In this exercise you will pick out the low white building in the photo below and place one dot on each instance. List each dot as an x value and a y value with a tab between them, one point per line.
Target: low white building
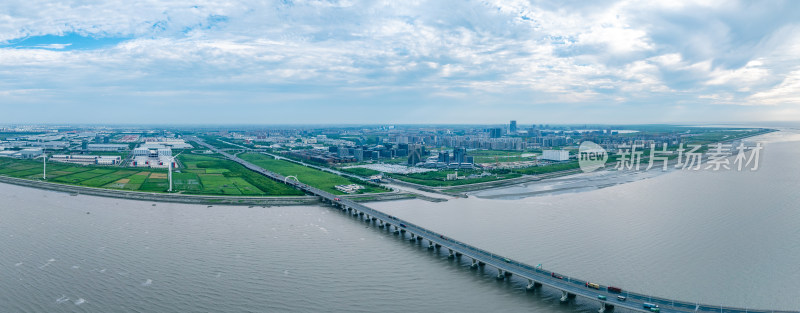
30	153
555	155
349	188
87	159
172	143
152	155
106	147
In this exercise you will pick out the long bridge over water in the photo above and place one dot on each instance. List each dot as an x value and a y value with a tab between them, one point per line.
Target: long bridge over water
570	287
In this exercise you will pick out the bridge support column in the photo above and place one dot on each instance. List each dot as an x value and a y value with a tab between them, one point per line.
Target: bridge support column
500	274
450	256
419	238
403	231
438	246
564	296
533	284
412	237
430	245
458	254
481	264
474	264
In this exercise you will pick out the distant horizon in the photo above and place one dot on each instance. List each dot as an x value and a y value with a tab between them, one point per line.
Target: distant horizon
521	125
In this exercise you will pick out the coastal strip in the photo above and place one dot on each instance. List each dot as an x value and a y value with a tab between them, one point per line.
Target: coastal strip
193	199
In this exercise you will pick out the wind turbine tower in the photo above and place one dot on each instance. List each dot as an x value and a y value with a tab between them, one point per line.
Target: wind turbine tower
44	165
169	172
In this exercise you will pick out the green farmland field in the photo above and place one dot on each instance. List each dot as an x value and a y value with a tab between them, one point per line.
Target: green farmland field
200	175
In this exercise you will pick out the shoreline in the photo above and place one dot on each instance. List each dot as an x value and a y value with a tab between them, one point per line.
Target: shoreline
194	199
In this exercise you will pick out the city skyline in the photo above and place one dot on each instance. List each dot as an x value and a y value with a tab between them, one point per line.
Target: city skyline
338	62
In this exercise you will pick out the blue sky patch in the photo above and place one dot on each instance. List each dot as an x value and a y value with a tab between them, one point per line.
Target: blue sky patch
71	41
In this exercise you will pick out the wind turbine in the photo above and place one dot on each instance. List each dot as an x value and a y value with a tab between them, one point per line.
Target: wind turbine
169	173
44	164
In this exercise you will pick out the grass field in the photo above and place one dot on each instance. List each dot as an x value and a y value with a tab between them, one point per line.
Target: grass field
314	177
438	178
364	172
220	176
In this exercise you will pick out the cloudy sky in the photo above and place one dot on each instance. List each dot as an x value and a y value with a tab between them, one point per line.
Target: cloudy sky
352	61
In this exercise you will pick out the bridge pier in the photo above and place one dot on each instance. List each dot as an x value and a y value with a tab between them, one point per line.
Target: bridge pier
419	238
474	264
438	246
412	237
500	274
604	306
564	296
450	256
481	264
430	245
533	285
458	254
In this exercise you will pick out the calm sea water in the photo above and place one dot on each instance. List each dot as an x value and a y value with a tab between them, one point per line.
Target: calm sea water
731	238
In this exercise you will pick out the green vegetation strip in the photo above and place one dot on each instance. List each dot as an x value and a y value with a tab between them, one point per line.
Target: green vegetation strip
314	177
439	178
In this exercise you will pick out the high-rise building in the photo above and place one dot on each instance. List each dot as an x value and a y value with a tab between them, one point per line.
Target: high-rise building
513	127
495	132
358	154
414	154
444	157
460	155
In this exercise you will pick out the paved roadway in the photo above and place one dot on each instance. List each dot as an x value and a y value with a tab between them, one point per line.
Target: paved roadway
563	282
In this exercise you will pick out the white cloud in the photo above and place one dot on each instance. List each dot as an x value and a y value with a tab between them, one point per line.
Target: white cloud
501	51
751	73
787	92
